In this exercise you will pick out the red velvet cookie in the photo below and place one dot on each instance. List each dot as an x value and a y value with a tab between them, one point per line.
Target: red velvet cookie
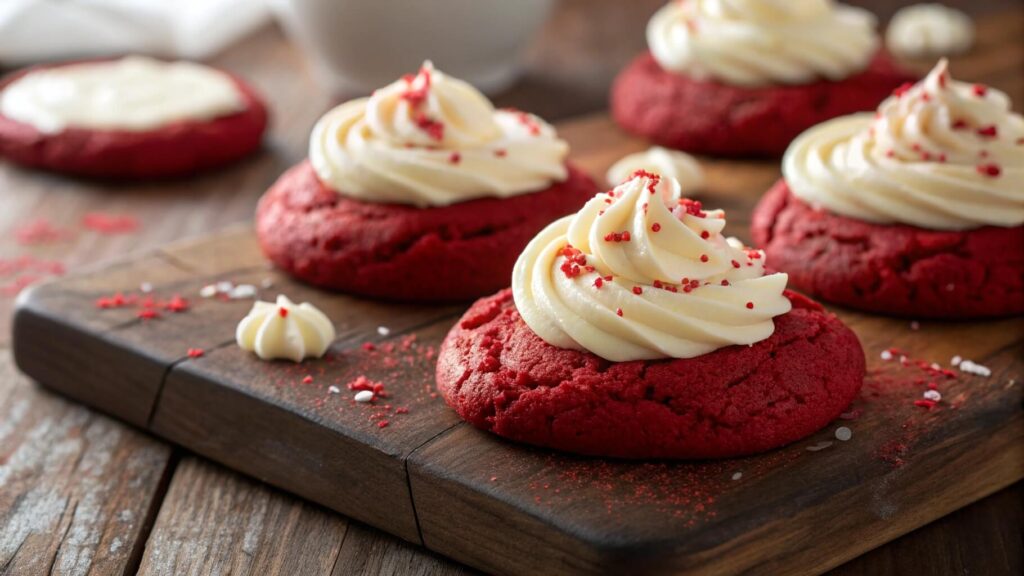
892	269
174	149
500	376
400	252
704	116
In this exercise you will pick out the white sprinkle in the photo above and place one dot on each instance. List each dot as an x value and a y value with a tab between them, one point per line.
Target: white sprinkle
819	446
364	396
225	286
956	361
383	330
903	360
843	433
950	287
242	291
145	287
915	325
932	395
973	368
267	282
334	390
935	366
208	291
886	355
737	476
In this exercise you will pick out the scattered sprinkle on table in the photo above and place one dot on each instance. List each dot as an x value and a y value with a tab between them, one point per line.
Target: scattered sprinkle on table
933	395
737	475
363	396
843	433
970	367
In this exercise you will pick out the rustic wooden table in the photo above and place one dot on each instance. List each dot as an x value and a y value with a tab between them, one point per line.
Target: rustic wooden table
81	493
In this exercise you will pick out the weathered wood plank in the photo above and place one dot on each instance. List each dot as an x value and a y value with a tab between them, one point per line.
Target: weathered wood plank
216	522
77	490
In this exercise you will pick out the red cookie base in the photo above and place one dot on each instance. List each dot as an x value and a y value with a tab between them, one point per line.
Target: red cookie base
174	149
892	269
400	252
704	116
501	377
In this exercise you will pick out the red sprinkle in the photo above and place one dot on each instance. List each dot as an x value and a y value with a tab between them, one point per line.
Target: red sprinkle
176	304
979	90
988	131
735	264
902	89
382	424
148	314
725	282
655	227
283	312
307	380
455	158
618	311
703	257
369	346
638	290
196	352
705	234
598	282
750	305
990	170
501	153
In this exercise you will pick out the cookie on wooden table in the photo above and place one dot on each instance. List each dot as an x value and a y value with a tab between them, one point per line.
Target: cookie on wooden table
635	329
916	211
422	192
128	118
748	80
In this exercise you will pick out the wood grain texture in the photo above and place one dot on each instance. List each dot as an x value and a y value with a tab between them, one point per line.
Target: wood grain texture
216	522
77	490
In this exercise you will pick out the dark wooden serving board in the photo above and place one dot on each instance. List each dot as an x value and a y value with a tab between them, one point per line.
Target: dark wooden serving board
505	508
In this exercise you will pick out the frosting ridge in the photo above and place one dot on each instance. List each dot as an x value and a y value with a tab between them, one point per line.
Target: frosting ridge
642	273
762	42
940	154
433	140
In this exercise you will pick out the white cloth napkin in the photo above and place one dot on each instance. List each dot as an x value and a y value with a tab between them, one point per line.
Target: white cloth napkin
41	30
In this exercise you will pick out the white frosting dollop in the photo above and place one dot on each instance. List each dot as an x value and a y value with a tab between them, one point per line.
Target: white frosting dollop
941	154
673	164
642	273
929	30
133	93
762	42
285	330
433	140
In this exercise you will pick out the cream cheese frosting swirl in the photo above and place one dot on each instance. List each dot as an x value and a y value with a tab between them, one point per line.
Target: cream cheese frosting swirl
641	273
285	330
133	94
941	154
433	140
762	42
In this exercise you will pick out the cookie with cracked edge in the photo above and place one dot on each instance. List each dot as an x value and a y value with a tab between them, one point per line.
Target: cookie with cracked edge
707	117
897	269
401	252
174	149
501	377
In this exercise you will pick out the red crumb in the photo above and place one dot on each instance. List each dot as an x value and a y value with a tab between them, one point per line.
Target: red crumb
40	231
109	224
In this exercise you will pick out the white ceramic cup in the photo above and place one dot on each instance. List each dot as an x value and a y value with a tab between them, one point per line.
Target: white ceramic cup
356	46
